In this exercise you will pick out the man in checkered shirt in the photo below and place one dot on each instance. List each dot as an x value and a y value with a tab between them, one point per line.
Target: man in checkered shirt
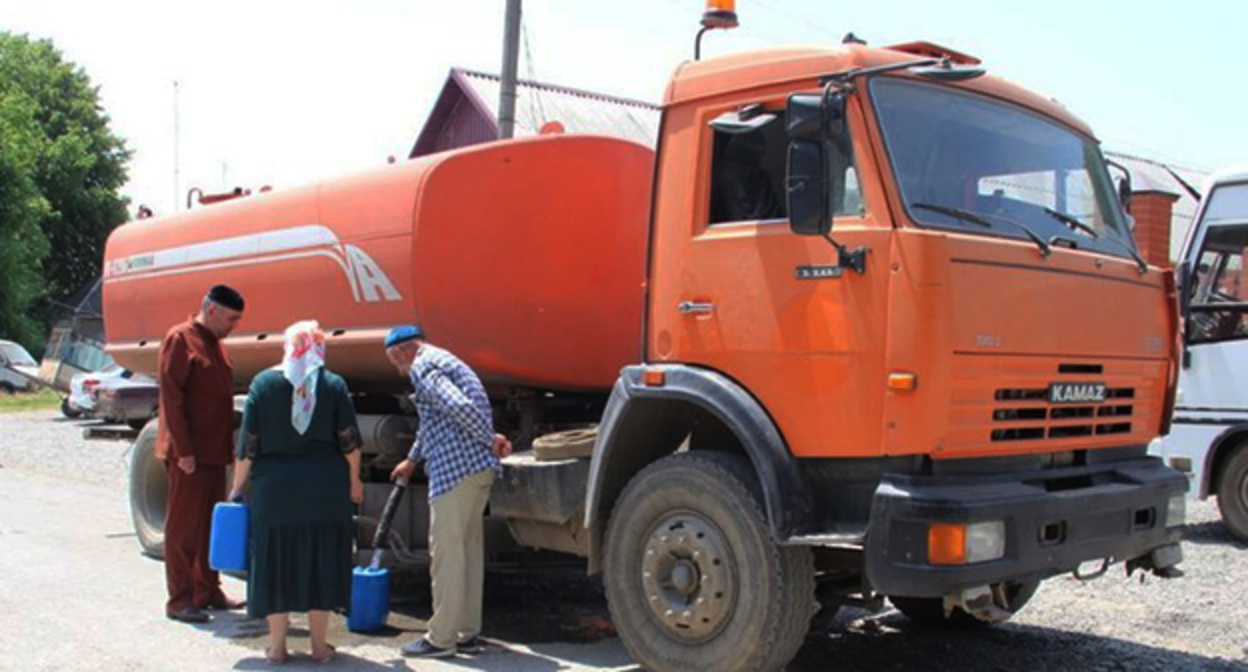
461	453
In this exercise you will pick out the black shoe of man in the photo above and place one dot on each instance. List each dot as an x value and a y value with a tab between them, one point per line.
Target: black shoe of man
470	647
189	615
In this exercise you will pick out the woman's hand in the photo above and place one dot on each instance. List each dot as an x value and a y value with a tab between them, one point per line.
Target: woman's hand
236	496
357	491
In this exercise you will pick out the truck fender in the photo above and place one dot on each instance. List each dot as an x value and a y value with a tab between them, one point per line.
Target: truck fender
643	423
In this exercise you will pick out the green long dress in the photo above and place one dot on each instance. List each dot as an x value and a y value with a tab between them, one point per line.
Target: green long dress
300	497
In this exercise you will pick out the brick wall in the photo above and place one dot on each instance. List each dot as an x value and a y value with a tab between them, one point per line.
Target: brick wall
1153	211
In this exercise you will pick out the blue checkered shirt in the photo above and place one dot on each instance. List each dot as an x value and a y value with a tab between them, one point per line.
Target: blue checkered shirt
456	434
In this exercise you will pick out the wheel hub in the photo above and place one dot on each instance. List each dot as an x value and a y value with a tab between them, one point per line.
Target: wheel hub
688	576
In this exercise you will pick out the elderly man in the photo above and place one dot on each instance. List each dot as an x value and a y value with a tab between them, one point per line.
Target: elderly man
196	441
461	452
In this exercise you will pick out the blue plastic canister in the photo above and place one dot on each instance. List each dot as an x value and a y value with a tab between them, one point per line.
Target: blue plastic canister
228	546
370	599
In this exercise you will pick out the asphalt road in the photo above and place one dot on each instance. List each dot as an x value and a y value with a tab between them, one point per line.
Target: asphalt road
75	594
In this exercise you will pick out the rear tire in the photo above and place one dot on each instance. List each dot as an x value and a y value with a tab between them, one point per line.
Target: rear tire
7	389
693	579
930	611
1233	493
149	492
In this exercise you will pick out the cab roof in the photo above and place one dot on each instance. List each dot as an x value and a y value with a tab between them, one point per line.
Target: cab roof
798	66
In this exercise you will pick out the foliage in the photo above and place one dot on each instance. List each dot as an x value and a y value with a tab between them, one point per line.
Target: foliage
55	136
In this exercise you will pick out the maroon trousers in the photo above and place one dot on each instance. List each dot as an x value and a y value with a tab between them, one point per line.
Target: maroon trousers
188	527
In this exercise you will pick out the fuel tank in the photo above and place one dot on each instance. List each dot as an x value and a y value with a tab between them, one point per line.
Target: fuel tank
526	258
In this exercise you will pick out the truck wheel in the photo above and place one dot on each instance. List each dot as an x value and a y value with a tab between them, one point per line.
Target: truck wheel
930	611
68	410
7	389
1233	493
693	579
149	492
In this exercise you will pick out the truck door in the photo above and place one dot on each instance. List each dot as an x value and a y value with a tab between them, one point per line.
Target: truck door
736	291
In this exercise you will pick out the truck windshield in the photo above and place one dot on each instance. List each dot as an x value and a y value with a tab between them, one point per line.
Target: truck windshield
1021	175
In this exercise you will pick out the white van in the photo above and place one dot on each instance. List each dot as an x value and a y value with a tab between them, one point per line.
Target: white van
17	369
1209	435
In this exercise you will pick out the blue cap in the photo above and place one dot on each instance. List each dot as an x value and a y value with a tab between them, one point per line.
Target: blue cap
403	334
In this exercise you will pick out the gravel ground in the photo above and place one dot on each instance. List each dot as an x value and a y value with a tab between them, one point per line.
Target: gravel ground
1198	622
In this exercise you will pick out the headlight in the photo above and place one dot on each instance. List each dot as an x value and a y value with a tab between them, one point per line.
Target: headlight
1176	511
965	543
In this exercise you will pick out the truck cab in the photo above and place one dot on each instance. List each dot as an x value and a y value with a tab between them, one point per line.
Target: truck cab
897	298
1209	435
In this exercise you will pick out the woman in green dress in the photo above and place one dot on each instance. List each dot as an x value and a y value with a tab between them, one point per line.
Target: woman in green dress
300	446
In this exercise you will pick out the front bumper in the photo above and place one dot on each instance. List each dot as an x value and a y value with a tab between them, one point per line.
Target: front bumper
1054	520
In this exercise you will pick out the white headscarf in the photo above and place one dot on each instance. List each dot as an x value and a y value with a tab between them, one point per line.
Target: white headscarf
305	353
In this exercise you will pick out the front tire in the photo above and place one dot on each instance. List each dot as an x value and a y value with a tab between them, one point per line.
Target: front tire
693	579
149	492
1233	493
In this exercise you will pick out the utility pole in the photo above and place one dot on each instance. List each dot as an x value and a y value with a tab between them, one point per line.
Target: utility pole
511	53
177	188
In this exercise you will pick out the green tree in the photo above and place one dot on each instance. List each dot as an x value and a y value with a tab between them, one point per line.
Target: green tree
75	162
22	243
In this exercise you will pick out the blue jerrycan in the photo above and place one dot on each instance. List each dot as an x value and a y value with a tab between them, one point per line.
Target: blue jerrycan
228	545
370	586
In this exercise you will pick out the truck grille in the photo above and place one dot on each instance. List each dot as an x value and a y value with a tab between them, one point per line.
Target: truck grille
1032	417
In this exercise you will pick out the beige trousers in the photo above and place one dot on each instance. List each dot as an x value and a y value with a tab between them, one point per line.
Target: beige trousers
457	544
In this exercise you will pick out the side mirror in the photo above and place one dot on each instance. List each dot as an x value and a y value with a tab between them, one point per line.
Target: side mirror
815	116
815	183
806	188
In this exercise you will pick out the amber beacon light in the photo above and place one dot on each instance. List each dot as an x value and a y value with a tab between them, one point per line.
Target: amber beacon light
720	14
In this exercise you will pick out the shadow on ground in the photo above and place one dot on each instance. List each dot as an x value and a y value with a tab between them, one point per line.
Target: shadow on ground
891	642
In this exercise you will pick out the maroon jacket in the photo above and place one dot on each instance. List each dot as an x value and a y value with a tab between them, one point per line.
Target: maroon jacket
196	397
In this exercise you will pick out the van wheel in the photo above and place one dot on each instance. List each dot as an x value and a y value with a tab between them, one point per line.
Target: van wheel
68	410
7	389
930	611
1233	493
693	579
149	492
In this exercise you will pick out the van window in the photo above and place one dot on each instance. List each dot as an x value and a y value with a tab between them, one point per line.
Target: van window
1220	290
748	171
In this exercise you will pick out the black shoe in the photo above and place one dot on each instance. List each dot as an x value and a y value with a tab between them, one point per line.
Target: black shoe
421	648
188	615
470	647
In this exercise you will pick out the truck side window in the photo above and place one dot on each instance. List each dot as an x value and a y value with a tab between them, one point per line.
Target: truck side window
747	176
1220	291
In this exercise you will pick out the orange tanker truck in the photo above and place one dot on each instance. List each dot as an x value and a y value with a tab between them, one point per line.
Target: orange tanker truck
869	324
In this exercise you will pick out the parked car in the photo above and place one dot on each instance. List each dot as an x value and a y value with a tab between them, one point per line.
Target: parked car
18	370
126	399
81	400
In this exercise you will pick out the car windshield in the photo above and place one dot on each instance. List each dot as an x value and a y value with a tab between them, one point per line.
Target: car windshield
16	354
1017	173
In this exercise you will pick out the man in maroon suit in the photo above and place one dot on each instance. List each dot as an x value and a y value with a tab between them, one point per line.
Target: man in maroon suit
196	442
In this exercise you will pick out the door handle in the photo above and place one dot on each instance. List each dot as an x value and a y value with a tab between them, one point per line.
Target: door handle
692	308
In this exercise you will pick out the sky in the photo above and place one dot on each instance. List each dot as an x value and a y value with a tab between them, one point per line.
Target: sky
271	92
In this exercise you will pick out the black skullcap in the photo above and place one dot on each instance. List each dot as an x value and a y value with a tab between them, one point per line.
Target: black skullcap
227	297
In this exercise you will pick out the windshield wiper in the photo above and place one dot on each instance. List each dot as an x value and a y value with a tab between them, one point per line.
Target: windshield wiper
982	220
1075	223
1070	221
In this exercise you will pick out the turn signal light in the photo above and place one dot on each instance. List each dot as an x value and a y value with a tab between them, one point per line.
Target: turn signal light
653	377
902	381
